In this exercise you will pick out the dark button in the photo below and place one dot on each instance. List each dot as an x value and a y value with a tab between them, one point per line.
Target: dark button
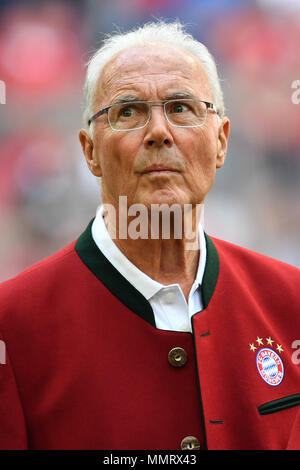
177	357
190	443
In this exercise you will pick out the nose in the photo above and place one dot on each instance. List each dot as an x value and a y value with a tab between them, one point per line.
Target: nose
158	131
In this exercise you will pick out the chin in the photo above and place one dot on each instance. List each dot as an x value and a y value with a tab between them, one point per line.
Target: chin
164	197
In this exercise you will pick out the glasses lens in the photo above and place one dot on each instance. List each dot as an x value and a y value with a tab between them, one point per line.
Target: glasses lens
186	112
127	116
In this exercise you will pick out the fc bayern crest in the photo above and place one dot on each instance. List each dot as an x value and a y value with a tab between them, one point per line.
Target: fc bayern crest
270	366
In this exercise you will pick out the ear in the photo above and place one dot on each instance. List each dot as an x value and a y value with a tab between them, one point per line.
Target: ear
224	130
88	149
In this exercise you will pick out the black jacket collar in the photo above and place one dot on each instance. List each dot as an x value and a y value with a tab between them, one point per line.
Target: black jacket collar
94	259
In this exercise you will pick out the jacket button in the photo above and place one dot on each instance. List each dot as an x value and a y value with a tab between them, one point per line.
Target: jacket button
177	357
190	443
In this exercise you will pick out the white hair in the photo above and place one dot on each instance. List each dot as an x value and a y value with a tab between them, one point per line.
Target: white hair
158	31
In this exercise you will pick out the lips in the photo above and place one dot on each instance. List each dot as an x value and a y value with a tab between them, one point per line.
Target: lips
158	168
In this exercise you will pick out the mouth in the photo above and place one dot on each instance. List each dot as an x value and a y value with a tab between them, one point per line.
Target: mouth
158	169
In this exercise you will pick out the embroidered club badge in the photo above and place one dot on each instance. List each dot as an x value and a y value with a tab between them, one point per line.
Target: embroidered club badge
270	366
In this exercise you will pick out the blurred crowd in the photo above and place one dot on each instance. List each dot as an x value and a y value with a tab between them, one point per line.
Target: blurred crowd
48	196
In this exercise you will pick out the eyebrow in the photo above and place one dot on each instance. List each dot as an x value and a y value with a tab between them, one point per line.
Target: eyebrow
172	96
180	94
126	99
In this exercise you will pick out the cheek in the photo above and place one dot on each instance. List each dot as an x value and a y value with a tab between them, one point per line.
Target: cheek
202	153
116	156
126	148
109	145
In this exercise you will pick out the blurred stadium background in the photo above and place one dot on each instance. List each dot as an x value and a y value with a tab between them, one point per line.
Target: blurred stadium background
47	195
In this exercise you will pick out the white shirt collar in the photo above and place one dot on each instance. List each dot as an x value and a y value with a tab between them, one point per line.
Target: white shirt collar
143	283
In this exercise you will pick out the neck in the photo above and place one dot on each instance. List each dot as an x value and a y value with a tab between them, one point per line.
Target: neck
163	246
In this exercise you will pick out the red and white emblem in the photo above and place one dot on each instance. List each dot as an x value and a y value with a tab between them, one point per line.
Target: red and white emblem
270	366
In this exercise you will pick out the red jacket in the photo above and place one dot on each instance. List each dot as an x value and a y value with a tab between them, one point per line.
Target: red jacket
85	367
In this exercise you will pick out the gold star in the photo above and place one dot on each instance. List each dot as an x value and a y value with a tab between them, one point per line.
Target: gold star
279	348
252	347
269	341
259	340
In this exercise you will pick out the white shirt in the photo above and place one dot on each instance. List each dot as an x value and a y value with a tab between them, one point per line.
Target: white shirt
171	311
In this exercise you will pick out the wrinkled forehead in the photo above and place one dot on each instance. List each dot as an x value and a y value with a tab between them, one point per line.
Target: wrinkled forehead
155	63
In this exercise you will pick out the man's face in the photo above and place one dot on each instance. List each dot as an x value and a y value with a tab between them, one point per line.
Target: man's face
188	156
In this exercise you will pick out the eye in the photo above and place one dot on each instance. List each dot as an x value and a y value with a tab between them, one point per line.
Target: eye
127	111
179	107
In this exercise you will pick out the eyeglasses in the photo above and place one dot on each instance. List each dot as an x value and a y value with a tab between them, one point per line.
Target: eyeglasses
132	115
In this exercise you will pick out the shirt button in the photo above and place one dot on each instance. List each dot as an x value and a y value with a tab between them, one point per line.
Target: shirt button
190	443
177	357
169	297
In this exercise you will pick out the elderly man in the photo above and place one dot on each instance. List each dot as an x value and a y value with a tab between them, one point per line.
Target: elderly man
135	339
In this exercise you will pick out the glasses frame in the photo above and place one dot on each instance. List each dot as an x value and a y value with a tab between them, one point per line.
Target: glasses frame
152	103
